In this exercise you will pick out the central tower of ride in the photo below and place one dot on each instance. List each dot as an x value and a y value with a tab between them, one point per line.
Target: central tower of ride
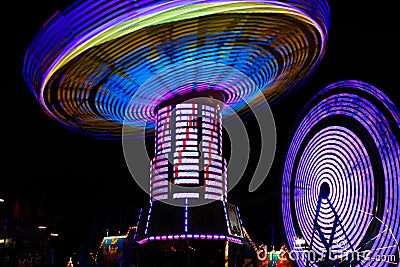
188	169
188	151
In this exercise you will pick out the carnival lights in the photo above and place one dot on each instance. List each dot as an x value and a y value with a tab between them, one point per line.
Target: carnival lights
100	65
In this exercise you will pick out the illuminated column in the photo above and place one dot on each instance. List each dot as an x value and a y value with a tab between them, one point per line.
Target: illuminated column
188	153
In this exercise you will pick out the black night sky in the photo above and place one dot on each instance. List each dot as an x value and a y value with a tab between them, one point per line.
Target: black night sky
67	180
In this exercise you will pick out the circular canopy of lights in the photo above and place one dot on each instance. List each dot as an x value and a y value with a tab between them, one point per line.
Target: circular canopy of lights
88	64
341	178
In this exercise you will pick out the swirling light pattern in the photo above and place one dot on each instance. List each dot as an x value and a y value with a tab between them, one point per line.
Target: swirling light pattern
342	176
87	63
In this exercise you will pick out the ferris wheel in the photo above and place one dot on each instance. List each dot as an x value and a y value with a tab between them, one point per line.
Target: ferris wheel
341	179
